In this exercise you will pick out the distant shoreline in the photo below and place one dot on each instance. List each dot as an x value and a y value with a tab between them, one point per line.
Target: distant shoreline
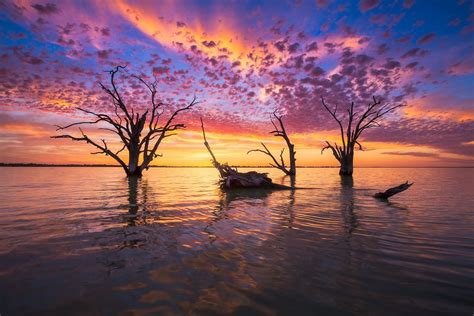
117	166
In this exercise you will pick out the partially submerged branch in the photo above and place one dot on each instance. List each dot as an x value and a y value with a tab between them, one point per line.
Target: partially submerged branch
224	169
392	191
232	179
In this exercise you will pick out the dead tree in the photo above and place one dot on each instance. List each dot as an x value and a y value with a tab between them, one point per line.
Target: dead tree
280	132
231	178
129	127
392	191
350	134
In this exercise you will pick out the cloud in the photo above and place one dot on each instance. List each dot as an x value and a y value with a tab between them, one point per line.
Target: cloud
104	54
46	9
407	4
454	22
322	3
367	5
414	52
462	67
411	153
426	38
446	135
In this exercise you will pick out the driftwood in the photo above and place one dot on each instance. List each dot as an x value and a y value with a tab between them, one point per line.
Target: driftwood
231	178
392	191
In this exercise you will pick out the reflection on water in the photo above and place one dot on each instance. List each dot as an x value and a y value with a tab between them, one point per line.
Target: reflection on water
89	241
347	204
133	201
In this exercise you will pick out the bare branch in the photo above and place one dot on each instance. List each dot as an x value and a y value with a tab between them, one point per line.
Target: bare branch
335	151
280	131
103	149
167	127
278	165
78	123
334	115
121	149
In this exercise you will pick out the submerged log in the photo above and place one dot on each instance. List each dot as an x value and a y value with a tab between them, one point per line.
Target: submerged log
392	191
231	178
251	179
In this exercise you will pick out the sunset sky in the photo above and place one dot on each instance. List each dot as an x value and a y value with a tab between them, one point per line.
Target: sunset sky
243	60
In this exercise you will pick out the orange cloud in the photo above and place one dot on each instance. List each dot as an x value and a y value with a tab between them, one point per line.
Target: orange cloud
168	29
440	107
23	130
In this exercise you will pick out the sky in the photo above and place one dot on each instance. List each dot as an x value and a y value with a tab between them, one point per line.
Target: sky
243	60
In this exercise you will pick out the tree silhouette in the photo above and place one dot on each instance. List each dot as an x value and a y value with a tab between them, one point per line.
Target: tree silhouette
356	125
280	132
129	126
231	178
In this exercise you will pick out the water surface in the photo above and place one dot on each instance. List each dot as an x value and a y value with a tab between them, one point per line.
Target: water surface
88	241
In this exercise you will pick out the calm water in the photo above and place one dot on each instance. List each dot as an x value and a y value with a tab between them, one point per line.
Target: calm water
87	241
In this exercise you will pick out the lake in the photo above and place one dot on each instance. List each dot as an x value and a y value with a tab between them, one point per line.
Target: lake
77	241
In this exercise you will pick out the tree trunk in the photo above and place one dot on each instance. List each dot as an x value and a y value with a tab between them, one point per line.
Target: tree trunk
347	166
292	170
133	158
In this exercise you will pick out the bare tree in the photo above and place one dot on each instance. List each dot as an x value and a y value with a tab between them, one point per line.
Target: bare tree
356	125
231	178
129	126
280	132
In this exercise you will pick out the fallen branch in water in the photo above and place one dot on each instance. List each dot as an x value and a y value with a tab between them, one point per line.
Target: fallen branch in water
392	191
232	179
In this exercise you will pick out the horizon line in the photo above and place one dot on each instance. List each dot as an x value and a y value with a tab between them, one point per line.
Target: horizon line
33	164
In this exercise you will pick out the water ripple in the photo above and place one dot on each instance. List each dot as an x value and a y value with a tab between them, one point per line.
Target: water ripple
161	245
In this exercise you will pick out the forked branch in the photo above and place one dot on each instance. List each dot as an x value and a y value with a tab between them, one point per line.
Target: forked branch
280	131
103	149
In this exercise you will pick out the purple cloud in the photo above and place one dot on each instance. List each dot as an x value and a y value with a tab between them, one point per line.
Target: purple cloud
367	5
46	9
426	38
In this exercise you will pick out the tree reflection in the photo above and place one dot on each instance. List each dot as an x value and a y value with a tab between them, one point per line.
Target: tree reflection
291	198
347	204
137	188
132	196
226	198
244	194
137	212
292	180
